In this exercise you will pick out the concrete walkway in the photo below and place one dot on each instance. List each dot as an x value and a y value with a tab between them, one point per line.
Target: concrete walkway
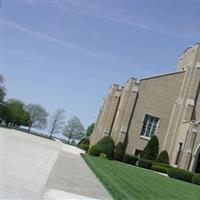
37	168
71	176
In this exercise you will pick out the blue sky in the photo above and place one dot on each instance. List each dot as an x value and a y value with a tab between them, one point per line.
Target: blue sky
66	54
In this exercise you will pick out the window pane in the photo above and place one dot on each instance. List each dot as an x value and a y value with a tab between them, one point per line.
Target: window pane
149	125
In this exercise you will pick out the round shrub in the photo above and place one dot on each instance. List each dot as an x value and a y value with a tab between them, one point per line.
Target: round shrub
119	151
180	174
130	159
95	150
84	144
163	157
196	179
144	163
151	150
160	167
105	145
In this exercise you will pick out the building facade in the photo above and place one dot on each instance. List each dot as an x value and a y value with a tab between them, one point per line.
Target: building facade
167	106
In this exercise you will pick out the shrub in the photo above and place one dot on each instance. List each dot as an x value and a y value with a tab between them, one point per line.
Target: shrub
130	159
102	155
81	141
196	179
144	163
180	174
105	145
85	147
151	150
163	157
95	150
160	167
84	144
119	151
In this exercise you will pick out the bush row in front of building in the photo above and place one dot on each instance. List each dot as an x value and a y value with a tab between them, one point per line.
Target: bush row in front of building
184	175
148	159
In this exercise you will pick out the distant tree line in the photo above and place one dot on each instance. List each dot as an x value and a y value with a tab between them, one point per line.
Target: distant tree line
15	113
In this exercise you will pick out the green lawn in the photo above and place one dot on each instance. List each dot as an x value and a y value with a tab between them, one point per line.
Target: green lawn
129	182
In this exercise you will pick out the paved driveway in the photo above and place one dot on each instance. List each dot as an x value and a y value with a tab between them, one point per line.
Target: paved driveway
27	161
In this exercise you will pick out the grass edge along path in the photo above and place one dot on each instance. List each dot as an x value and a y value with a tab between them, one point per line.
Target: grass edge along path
129	182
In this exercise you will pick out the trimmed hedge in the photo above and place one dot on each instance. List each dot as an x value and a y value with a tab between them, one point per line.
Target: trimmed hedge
95	150
160	167
151	150
105	145
163	157
84	144
84	147
130	159
119	151
180	174
144	163
196	179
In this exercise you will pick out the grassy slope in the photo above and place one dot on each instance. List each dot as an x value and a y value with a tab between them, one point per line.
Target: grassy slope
129	182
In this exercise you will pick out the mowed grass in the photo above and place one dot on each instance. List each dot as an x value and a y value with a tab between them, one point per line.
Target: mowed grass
129	182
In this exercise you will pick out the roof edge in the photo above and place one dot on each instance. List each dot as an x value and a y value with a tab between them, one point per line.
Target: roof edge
167	74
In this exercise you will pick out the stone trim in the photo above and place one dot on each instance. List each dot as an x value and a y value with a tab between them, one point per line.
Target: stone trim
106	131
144	138
179	100
161	75
190	102
198	65
135	88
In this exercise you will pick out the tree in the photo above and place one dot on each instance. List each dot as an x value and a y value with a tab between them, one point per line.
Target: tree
38	116
2	89
13	113
163	157
74	129
151	150
90	129
119	151
57	122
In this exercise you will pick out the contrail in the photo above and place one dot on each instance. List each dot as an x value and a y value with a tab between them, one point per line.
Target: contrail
51	39
66	10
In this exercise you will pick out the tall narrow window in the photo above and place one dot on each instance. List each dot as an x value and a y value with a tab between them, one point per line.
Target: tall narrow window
149	126
179	153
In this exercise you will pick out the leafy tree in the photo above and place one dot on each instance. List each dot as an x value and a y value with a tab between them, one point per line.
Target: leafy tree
90	129
151	150
74	129
163	157
38	116
57	122
2	89
14	113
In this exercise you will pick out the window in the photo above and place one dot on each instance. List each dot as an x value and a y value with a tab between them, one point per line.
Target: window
179	153
149	126
138	152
